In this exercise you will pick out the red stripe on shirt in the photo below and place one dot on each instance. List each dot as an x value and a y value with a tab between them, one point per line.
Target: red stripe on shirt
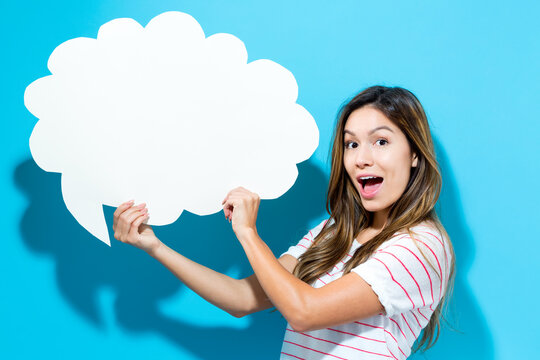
438	264
373	326
409	326
427	273
397	343
440	241
392	276
398	348
320	352
338	344
416	320
424	316
348	333
416	282
294	356
444	248
386	331
395	239
399	327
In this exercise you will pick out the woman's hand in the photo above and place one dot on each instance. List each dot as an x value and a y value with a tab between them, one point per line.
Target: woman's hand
129	228
241	206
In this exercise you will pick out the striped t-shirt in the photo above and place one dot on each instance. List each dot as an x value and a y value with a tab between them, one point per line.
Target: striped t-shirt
407	286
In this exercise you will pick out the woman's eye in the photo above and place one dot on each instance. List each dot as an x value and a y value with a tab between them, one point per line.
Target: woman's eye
350	144
381	142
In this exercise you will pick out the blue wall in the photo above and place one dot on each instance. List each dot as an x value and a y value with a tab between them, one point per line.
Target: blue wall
474	66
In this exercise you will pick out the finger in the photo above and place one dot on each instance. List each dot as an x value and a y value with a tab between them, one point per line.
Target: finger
133	215
227	197
236	200
230	203
127	217
228	208
123	207
126	228
243	190
130	211
233	192
134	229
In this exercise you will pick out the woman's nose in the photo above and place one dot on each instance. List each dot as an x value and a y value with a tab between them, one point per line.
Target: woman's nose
364	156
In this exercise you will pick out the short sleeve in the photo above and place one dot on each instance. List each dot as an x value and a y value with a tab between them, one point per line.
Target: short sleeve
305	242
407	274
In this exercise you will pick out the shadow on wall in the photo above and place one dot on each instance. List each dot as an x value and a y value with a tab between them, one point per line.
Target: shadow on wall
471	338
85	265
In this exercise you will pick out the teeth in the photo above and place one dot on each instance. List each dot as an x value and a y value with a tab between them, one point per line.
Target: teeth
368	177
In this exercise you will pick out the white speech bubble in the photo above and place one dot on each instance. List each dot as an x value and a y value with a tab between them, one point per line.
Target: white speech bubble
163	115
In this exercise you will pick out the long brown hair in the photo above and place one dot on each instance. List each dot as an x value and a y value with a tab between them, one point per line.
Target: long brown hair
347	215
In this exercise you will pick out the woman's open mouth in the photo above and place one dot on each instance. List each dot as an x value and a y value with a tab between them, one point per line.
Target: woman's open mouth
369	185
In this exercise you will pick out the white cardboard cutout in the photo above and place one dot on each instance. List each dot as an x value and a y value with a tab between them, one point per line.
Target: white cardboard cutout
163	115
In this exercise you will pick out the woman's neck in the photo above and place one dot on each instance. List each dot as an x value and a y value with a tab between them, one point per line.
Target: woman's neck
379	219
376	225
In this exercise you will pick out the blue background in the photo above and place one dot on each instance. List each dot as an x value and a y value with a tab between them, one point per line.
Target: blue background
475	68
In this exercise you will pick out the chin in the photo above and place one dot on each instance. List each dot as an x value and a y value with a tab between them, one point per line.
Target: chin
376	205
371	207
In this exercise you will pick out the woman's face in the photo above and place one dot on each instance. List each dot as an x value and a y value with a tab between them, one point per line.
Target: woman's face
377	158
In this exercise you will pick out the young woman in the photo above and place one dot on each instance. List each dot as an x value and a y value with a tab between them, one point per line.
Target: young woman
366	281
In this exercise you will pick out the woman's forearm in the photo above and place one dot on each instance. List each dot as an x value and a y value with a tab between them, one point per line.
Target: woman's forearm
237	297
288	294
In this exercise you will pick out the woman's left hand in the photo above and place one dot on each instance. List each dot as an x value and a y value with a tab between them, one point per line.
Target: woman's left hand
241	206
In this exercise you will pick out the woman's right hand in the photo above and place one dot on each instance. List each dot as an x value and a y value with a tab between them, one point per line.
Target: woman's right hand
129	228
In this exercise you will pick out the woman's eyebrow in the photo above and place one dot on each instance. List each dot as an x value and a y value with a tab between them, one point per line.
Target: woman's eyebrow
380	128
371	132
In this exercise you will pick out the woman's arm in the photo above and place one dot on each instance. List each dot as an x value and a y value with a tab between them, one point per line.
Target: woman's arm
237	297
305	308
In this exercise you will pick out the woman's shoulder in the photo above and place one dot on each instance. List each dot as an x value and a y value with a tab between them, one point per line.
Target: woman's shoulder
425	233
430	231
425	238
424	228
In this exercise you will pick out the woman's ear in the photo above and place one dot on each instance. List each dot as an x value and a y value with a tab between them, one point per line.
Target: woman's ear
414	160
